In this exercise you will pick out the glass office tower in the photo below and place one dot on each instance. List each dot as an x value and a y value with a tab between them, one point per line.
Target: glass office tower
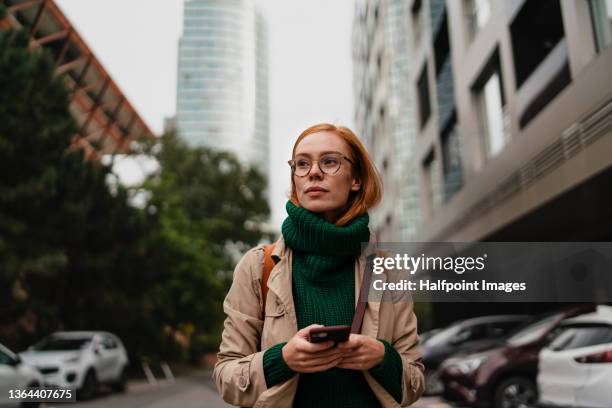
222	86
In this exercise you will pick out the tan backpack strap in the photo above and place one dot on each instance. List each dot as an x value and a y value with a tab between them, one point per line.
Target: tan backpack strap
364	292
363	297
268	264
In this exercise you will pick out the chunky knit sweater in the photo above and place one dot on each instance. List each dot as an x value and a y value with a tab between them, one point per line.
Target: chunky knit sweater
324	293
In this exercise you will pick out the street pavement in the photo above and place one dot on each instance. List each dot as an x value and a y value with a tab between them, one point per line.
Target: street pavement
195	390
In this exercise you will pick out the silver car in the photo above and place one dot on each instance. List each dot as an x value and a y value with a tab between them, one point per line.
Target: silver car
15	375
80	360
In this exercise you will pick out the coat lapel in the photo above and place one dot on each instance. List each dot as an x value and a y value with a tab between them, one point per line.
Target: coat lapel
280	280
371	317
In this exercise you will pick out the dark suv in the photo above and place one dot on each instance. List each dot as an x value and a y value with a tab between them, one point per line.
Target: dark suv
465	336
504	376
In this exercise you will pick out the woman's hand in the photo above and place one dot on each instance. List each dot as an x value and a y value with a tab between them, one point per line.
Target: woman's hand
361	352
303	356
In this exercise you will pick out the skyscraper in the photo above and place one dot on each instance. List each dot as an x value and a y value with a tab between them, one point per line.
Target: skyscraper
222	87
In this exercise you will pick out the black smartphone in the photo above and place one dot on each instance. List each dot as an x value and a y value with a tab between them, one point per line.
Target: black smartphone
335	333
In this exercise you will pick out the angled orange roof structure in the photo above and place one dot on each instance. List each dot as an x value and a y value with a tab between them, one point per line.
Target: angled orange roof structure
107	121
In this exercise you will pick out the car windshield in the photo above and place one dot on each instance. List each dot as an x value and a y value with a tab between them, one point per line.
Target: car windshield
532	331
443	336
573	337
62	344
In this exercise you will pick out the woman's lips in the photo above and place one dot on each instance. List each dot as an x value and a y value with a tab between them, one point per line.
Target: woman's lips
315	192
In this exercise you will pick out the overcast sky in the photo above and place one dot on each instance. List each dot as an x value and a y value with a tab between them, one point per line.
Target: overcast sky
310	67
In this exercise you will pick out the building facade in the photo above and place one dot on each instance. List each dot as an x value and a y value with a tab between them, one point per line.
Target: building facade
222	90
384	111
512	107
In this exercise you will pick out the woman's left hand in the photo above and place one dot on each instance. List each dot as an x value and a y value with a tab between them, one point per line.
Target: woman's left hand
361	352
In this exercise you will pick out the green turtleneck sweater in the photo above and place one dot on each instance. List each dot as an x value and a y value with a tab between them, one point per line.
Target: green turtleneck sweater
324	293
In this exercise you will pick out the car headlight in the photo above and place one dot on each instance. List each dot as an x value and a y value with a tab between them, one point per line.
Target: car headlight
468	365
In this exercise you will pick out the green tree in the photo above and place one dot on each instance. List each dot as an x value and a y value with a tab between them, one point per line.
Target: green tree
75	255
70	250
202	199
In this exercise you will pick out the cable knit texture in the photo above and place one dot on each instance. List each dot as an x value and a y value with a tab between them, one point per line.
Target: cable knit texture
324	293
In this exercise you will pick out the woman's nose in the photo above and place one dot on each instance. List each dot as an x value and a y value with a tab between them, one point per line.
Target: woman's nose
315	170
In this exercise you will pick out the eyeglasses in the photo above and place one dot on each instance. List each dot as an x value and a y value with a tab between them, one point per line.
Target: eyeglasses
328	163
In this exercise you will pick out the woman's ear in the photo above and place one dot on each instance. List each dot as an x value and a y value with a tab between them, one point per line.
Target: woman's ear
356	184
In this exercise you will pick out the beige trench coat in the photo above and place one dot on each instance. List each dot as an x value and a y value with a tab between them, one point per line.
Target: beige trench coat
239	373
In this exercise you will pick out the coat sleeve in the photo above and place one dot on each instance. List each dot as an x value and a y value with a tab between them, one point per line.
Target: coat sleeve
406	342
239	373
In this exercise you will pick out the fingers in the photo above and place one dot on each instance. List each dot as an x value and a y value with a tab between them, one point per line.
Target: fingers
353	341
324	360
322	367
307	347
303	333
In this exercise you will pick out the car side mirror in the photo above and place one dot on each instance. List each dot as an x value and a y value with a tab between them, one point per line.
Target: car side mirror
97	350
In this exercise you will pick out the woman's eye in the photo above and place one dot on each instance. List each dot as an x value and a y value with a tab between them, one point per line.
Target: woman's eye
329	161
302	163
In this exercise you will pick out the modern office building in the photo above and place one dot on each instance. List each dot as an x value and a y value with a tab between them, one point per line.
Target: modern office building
222	91
384	111
512	118
107	121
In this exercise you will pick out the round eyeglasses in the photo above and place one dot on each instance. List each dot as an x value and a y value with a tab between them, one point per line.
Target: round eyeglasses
328	163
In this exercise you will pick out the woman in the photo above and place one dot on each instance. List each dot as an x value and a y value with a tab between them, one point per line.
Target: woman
265	358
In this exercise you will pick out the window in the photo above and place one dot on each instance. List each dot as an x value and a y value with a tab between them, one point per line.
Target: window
535	31
109	343
471	333
5	358
601	13
582	336
431	173
490	98
423	95
478	13
451	161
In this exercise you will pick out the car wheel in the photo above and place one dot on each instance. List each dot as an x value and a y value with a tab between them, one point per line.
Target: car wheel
516	392
31	404
89	387
121	383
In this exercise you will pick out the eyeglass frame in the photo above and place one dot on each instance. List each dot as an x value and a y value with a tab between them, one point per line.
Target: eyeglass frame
341	155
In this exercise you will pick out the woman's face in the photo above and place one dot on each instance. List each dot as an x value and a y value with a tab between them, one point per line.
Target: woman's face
331	198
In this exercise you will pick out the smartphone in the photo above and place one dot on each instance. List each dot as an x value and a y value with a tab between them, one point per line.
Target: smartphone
336	333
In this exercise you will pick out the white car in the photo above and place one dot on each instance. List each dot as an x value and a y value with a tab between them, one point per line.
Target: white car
575	370
80	360
15	375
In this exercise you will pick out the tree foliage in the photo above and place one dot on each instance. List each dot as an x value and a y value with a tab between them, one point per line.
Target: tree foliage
76	255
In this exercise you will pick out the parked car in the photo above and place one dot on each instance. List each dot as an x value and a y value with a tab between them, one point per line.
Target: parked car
575	370
504	376
464	336
80	360
15	374
425	336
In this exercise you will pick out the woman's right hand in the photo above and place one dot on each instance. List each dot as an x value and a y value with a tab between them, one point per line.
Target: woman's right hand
303	356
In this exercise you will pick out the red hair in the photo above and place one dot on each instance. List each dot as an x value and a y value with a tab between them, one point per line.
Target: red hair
370	193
